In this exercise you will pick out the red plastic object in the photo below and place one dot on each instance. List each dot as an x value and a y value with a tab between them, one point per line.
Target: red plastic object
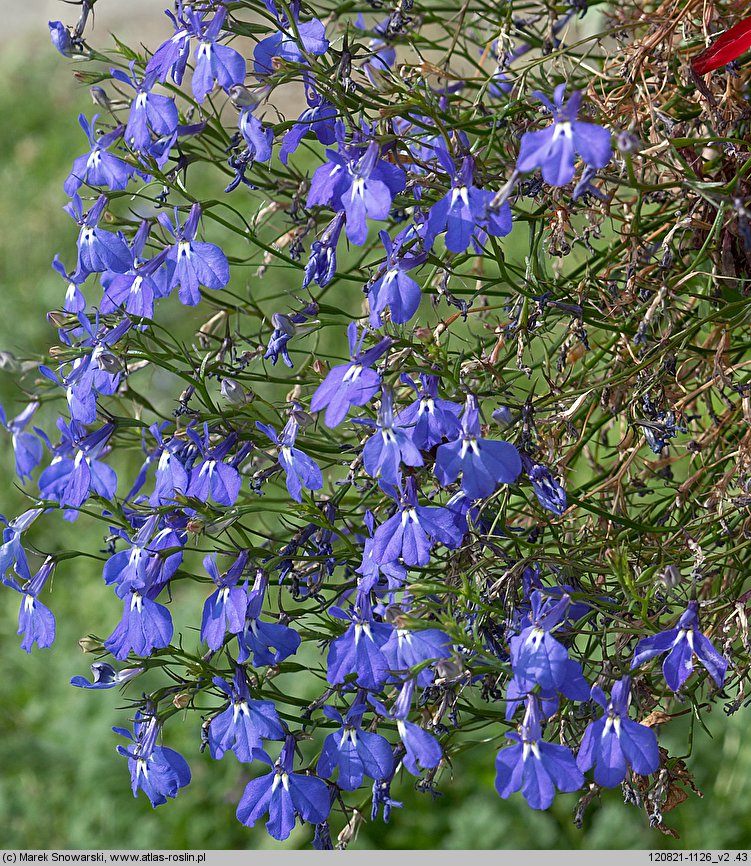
725	49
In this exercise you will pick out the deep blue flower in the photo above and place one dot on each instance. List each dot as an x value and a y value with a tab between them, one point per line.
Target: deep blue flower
27	447
215	63
62	39
270	643
149	112
352	384
538	657
284	795
483	463
284	43
159	772
550	494
285	328
98	249
407	648
36	622
681	645
361	184
301	471
225	609
414	529
393	288
355	752
321	265
390	446
464	208
144	627
534	766
317	118
98	167
358	650
70	481
171	58
422	750
258	137
195	263
145	565
75	302
12	553
135	290
553	149
104	676
212	477
171	475
245	723
429	419
615	742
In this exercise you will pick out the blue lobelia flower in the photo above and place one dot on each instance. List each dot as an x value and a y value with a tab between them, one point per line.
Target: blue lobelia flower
393	288
98	249
215	63
36	622
301	470
70	481
225	609
94	369
422	750
285	328
243	726
75	302
12	553
553	149
171	58
550	494
681	645
195	263
354	752
429	419
171	476
359	650
615	742
284	44
68	45
104	676
150	113
135	290
352	384
414	529
483	463
27	447
98	167
321	265
212	477
258	137
361	184
389	446
284	795
534	766
407	648
464	208
268	642
144	627
535	654
159	772
146	564
317	118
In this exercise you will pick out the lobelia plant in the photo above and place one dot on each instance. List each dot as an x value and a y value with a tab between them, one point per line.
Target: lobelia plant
469	511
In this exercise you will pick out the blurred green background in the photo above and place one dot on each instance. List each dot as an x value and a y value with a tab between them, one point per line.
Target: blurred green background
62	784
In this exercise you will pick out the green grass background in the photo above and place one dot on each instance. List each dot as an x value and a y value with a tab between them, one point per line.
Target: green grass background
62	784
